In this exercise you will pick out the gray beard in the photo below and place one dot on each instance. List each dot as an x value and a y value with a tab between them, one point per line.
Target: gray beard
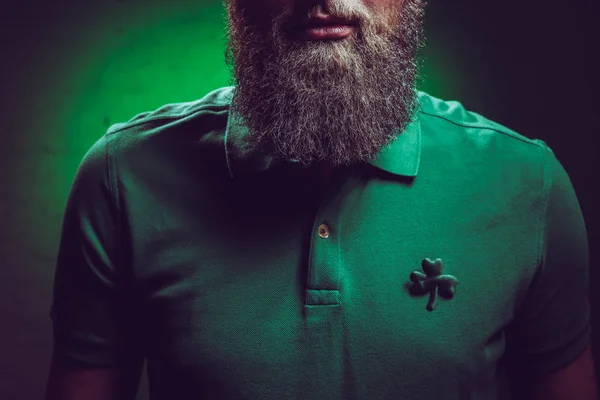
337	102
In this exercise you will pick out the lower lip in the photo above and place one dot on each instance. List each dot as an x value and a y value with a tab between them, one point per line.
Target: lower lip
328	32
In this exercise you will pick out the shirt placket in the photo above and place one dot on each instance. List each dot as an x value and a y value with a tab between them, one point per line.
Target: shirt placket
325	258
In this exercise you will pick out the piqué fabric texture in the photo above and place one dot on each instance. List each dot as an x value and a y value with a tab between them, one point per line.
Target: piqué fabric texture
235	275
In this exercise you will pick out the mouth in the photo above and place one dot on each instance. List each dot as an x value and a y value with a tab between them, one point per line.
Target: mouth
329	28
326	32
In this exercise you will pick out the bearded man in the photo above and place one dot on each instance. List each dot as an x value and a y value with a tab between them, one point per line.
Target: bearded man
321	230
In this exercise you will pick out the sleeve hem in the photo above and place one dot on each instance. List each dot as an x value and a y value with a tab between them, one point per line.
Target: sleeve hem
75	357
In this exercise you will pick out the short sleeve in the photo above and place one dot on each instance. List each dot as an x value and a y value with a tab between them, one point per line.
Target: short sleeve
85	296
552	326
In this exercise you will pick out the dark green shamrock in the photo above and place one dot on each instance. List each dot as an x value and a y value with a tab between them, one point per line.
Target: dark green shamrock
431	281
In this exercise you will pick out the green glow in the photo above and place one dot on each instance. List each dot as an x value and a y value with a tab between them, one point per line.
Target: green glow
102	64
79	68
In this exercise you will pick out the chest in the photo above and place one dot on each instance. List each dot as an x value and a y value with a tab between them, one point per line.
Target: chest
250	287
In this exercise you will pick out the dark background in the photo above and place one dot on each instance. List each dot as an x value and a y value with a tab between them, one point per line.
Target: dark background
70	69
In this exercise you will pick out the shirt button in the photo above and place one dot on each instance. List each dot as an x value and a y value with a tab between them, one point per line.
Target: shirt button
323	231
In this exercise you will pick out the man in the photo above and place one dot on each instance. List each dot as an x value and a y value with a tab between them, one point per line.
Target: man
321	230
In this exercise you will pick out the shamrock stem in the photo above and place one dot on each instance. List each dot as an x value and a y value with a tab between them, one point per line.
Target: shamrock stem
432	299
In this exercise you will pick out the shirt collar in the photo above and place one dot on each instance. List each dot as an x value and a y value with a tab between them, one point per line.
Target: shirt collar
401	157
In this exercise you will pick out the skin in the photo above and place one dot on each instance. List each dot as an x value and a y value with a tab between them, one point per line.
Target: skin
68	380
66	383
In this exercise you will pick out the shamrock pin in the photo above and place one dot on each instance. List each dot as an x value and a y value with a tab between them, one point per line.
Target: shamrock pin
432	280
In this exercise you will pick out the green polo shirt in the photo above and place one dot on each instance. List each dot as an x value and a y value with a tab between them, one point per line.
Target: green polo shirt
448	267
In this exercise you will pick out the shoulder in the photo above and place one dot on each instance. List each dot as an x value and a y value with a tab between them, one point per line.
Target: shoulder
449	125
157	142
215	100
451	115
173	121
